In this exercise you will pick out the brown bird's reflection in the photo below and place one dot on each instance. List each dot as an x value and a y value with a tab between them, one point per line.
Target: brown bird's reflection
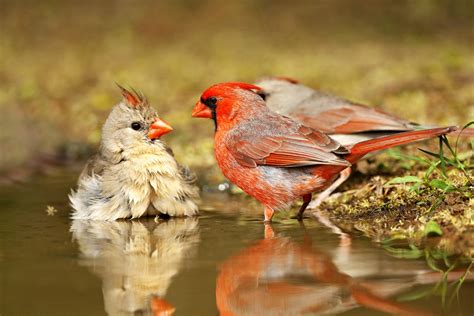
277	276
136	260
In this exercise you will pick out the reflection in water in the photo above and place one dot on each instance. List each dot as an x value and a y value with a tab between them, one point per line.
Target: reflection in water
136	260
277	276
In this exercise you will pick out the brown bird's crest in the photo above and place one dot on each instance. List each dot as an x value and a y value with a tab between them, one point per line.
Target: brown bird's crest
133	98
287	79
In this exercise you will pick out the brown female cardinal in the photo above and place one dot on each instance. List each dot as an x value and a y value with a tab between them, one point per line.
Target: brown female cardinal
346	121
134	172
274	158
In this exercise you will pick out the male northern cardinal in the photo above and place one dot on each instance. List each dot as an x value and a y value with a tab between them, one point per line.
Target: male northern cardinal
274	158
134	173
346	121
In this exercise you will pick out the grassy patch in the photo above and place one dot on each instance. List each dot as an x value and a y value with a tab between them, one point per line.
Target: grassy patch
431	199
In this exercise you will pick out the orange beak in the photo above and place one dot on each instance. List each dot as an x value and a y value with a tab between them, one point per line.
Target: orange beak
158	129
160	307
200	110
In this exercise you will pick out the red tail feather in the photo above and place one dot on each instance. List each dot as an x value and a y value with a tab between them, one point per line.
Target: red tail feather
361	149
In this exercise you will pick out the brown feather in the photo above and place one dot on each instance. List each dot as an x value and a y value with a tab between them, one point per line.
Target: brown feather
134	98
293	150
351	118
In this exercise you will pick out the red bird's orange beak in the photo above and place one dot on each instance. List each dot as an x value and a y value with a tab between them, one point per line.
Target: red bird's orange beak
200	110
158	129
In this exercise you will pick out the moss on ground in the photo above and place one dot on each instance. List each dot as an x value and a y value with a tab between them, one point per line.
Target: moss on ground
387	212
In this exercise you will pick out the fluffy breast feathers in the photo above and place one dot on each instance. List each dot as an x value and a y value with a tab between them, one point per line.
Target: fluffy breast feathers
145	180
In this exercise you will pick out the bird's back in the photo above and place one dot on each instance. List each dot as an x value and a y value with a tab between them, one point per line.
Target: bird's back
326	112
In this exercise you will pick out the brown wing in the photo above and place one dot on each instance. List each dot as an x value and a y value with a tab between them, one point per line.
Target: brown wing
94	166
350	118
304	147
326	112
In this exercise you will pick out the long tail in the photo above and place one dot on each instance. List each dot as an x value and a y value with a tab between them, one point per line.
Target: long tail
359	150
458	131
455	131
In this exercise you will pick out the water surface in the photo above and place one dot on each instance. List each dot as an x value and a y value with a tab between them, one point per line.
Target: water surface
225	260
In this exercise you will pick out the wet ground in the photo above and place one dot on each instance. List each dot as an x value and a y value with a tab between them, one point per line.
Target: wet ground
226	261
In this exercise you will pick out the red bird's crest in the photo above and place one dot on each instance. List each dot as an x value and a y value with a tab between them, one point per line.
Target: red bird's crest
242	85
222	94
222	88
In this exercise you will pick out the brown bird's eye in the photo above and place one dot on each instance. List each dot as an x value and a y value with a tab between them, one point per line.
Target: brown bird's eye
263	95
136	126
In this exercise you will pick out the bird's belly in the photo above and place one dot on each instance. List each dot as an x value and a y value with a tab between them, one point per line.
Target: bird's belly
272	186
151	186
261	183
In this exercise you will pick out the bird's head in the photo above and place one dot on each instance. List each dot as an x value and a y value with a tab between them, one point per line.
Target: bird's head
227	102
283	93
272	85
133	122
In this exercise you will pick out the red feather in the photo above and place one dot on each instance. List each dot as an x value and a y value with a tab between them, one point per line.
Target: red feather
277	160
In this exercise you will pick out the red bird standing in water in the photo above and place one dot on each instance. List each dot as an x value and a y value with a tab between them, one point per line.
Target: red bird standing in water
345	121
272	157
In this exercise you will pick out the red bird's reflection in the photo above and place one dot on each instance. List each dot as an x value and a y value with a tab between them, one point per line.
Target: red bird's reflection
277	276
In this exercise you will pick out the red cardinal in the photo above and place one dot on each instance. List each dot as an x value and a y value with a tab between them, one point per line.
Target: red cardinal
347	122
272	157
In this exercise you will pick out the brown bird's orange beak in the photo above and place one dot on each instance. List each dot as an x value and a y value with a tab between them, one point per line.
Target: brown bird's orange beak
158	129
160	307
200	110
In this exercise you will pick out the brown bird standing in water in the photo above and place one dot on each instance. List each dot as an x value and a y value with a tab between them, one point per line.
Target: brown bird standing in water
134	173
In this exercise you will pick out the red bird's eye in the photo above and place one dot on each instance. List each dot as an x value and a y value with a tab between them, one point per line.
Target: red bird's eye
211	102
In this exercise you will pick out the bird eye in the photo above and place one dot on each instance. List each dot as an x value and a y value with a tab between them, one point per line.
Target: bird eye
263	95
211	102
136	126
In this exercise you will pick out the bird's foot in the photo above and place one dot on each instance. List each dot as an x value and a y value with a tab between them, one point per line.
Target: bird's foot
298	216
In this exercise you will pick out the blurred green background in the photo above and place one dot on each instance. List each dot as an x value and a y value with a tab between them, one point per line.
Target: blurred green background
60	61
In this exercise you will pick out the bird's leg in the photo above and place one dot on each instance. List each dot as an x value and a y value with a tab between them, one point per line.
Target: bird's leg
268	214
343	175
306	200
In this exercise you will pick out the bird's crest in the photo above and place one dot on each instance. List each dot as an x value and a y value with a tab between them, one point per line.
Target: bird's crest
242	85
287	79
133	98
226	87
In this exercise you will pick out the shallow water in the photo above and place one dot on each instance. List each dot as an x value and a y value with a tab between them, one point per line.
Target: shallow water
226	260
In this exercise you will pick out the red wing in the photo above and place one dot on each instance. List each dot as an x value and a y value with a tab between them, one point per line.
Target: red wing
305	148
352	118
